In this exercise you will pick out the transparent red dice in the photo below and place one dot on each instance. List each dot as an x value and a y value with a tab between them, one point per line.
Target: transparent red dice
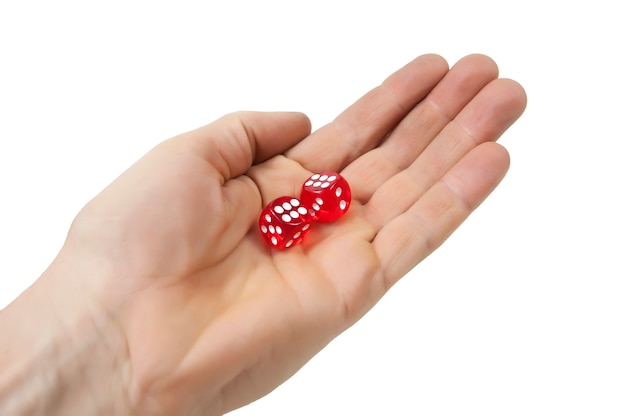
286	221
328	194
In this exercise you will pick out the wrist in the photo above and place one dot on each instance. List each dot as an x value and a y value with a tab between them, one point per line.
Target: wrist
60	353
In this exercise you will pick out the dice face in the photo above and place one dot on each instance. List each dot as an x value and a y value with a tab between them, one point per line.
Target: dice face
327	194
284	222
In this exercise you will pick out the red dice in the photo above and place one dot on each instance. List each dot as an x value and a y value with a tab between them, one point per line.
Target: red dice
328	194
285	222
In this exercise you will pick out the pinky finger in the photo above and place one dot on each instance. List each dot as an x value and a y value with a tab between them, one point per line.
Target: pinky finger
412	236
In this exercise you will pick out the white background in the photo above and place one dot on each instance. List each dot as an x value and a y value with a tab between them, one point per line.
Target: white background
522	311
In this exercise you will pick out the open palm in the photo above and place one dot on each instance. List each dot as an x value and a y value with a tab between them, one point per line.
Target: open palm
213	318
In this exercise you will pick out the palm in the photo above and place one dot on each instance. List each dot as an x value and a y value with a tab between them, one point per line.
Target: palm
210	311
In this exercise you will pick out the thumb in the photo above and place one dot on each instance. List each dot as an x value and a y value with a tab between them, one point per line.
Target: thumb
233	143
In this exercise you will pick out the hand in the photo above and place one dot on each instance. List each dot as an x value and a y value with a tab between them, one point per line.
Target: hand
210	317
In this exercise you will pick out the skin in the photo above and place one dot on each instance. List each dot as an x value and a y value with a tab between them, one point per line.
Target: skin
164	298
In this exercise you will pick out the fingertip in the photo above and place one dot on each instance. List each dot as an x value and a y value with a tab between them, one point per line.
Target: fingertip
428	59
478	173
481	61
493	110
499	155
413	81
431	60
287	129
304	121
272	133
491	158
434	57
517	92
512	97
